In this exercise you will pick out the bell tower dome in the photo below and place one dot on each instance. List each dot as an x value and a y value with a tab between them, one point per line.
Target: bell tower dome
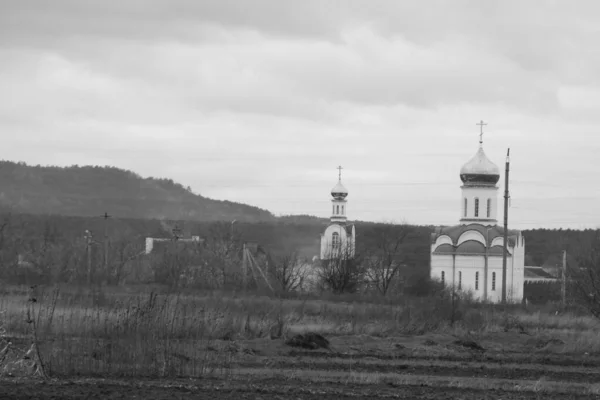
479	176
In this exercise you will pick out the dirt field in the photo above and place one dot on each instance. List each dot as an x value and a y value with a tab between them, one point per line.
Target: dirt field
499	366
266	390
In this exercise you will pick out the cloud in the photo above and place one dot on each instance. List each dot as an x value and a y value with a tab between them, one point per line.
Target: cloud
258	101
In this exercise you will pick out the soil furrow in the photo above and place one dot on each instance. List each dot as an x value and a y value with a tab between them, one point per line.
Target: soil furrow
268	389
451	370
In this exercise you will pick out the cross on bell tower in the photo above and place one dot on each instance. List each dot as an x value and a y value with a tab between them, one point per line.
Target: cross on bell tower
339	168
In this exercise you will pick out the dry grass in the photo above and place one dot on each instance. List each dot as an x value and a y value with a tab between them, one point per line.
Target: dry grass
147	334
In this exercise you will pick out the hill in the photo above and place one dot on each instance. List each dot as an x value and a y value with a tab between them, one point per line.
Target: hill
91	190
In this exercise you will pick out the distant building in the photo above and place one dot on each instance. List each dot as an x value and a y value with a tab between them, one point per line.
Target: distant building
469	256
539	275
338	240
152	242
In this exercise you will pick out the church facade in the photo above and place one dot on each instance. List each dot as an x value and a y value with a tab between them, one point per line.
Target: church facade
469	256
338	240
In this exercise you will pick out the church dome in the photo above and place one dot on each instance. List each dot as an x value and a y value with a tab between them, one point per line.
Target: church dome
480	170
339	191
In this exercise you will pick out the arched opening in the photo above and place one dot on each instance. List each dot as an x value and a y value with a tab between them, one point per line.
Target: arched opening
335	240
489	208
476	280
476	207
493	281
337	210
333	209
465	208
343	210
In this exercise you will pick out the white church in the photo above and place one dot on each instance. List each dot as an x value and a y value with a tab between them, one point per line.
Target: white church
468	256
338	240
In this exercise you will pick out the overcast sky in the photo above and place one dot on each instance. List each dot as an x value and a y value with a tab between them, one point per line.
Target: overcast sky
258	101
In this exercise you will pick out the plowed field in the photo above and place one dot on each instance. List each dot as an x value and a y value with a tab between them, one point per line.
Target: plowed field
359	367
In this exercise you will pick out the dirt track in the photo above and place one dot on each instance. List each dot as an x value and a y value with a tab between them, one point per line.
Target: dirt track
266	390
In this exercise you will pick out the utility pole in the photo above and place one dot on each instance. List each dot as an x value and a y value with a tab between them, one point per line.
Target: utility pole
506	197
563	285
88	248
231	230
244	268
105	216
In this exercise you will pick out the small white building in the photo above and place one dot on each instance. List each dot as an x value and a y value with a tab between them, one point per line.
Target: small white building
469	256
150	242
338	240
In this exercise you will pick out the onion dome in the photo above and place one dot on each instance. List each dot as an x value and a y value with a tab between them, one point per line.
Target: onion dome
480	171
339	192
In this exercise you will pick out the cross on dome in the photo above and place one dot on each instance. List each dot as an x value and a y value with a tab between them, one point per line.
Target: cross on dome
339	191
481	125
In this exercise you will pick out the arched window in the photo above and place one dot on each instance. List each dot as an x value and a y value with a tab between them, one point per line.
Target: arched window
443	278
466	204
342	210
337	210
476	280
333	209
476	207
493	281
489	208
335	240
459	280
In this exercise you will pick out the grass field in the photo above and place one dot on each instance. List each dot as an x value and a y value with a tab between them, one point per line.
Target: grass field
117	343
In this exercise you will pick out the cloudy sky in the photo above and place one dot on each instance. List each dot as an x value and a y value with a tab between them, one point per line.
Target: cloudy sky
258	101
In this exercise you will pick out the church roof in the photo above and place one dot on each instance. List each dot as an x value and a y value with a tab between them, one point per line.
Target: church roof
468	248
480	170
454	232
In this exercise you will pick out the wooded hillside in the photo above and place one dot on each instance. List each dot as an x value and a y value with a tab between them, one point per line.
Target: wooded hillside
92	190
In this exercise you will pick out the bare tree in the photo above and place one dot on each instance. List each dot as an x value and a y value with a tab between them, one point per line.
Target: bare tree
224	253
172	264
288	271
124	251
5	219
584	278
386	256
341	271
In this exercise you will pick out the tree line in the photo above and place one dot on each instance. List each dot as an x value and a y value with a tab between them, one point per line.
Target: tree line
389	258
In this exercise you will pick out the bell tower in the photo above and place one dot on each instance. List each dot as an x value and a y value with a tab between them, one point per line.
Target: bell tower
338	203
338	238
479	202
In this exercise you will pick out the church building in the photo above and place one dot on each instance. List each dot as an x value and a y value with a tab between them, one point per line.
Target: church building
468	256
338	240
